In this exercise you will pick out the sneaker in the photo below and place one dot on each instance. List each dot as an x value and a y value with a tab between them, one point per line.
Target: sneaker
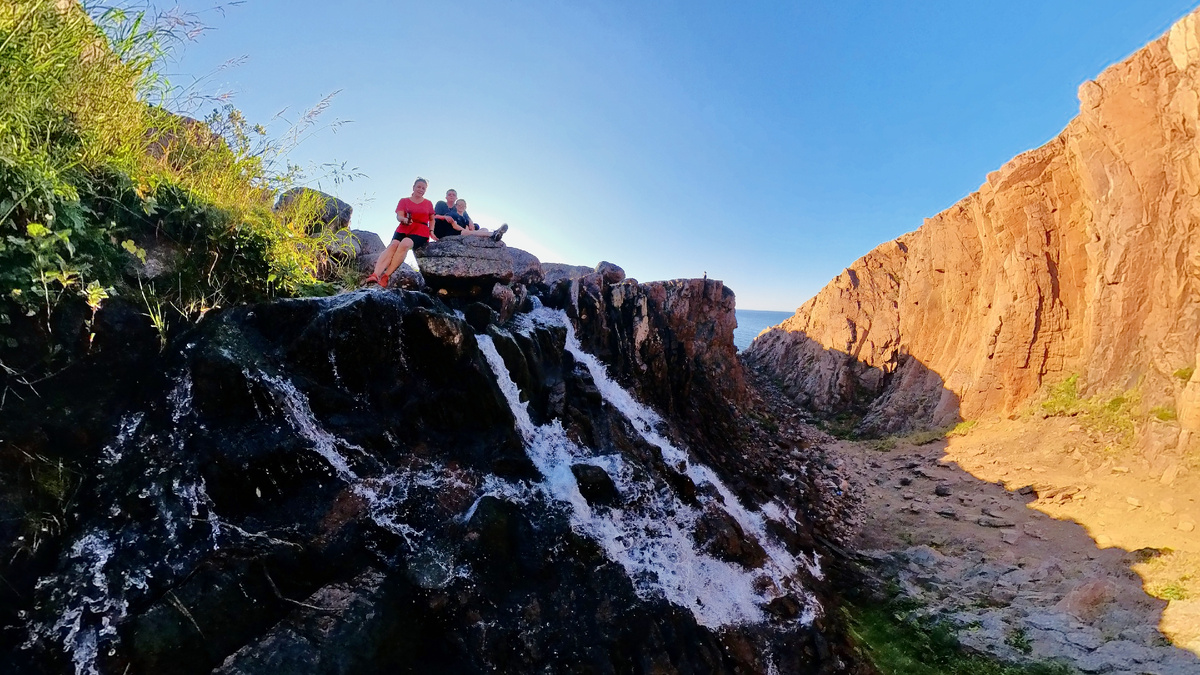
499	232
384	279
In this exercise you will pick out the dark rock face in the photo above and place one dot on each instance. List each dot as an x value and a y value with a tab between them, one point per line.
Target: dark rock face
671	341
596	485
350	485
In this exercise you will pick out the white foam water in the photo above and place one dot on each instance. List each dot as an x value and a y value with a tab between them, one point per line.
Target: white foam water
650	536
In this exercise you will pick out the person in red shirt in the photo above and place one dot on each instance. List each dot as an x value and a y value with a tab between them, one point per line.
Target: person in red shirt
415	214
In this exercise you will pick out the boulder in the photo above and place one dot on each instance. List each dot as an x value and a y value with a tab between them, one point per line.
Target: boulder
407	278
504	301
461	264
328	211
553	273
368	242
527	269
612	274
596	486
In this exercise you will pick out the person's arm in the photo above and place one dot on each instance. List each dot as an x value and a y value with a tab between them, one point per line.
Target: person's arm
401	215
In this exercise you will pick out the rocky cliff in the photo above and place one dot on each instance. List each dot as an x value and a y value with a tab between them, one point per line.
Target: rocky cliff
398	481
1082	256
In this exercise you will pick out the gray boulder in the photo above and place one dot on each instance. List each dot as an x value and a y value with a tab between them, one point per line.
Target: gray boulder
407	278
553	273
527	269
612	274
331	212
459	263
368	242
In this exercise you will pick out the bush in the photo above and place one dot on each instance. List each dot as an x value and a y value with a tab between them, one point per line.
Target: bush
94	170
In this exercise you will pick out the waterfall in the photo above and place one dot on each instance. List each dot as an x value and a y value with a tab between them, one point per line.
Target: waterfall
650	534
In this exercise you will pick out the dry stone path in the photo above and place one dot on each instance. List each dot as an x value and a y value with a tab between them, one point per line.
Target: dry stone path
1013	581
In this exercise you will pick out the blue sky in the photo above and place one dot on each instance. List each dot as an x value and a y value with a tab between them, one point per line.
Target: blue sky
767	144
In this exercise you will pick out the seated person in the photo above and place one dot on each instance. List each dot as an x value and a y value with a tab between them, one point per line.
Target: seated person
443	221
463	225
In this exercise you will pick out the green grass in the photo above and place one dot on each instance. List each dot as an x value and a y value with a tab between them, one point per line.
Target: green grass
1114	416
93	166
897	647
1174	590
1163	413
1185	374
962	428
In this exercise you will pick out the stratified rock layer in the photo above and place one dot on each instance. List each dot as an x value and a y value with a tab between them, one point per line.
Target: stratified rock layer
1081	256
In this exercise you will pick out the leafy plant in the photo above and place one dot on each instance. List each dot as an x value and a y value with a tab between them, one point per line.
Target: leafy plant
95	169
1163	413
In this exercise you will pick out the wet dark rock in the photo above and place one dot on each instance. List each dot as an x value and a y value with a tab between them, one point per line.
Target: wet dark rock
596	485
722	536
338	485
479	316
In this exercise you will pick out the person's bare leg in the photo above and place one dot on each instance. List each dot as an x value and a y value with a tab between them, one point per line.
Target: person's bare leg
481	232
381	263
401	253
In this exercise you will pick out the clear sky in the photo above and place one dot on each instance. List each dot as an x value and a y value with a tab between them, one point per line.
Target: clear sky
767	144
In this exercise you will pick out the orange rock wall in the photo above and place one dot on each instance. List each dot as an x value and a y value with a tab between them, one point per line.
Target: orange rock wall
1082	256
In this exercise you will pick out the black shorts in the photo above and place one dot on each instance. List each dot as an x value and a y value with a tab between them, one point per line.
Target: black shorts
442	230
417	240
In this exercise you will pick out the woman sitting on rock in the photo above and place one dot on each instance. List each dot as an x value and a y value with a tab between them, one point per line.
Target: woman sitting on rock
414	215
461	224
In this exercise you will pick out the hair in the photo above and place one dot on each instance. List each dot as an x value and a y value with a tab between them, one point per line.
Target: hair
420	180
461	200
452	190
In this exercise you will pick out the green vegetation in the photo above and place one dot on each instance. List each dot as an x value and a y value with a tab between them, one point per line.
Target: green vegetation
1163	413
1185	374
899	647
962	428
1018	639
94	171
1112	416
1175	590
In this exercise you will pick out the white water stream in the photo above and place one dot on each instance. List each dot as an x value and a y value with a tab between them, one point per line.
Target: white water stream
651	535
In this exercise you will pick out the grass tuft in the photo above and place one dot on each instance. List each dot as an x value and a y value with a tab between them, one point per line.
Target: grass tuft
899	647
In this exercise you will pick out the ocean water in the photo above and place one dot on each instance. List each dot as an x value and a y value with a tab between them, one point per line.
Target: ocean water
751	322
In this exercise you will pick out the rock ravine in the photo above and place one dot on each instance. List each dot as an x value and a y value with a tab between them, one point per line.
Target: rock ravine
1081	256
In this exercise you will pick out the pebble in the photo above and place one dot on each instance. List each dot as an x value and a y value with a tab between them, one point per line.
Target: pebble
942	490
1167	508
1009	537
1133	501
992	521
1186	525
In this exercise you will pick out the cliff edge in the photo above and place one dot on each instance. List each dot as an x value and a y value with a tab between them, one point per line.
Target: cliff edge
1078	257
